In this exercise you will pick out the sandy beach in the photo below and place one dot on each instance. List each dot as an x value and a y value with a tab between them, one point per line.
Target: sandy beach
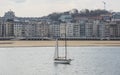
73	43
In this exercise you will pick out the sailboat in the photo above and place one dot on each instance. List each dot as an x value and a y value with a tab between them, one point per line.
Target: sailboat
57	58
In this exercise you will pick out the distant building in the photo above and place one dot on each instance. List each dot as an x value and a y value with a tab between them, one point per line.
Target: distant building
42	29
73	11
116	16
107	31
89	29
110	30
1	28
76	29
106	17
66	18
113	29
10	15
118	28
102	27
101	30
30	29
62	29
95	28
54	30
69	29
9	29
82	28
19	29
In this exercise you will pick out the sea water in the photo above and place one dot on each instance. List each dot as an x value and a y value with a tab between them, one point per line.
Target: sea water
39	61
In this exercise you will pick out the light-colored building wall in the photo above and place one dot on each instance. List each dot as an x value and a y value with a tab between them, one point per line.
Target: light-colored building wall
107	31
101	30
42	29
39	29
69	29
54	30
89	29
9	29
95	28
110	30
113	30
82	28
66	18
19	29
1	29
76	30
118	28
30	29
10	15
62	29
51	33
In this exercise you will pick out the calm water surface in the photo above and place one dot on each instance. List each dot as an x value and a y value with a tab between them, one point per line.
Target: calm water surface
39	61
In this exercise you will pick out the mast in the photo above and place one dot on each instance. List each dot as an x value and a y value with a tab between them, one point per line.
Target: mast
57	49
65	43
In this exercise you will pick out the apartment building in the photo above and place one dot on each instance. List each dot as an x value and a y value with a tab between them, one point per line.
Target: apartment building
54	30
9	29
30	29
82	28
69	29
41	29
76	29
19	29
1	28
62	30
89	29
95	28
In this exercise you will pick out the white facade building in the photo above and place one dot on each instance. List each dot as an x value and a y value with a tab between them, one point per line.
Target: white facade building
42	29
95	28
54	30
69	29
1	28
62	29
89	29
30	29
9	29
76	30
19	29
10	15
66	18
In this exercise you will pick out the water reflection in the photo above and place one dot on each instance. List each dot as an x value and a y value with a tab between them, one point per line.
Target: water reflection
59	67
56	69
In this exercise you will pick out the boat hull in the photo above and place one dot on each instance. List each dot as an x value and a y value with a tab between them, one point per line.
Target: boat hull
62	61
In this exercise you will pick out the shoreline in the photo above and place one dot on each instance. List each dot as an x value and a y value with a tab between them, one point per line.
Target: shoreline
72	43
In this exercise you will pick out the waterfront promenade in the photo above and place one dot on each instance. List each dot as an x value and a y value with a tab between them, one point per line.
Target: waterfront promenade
73	43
